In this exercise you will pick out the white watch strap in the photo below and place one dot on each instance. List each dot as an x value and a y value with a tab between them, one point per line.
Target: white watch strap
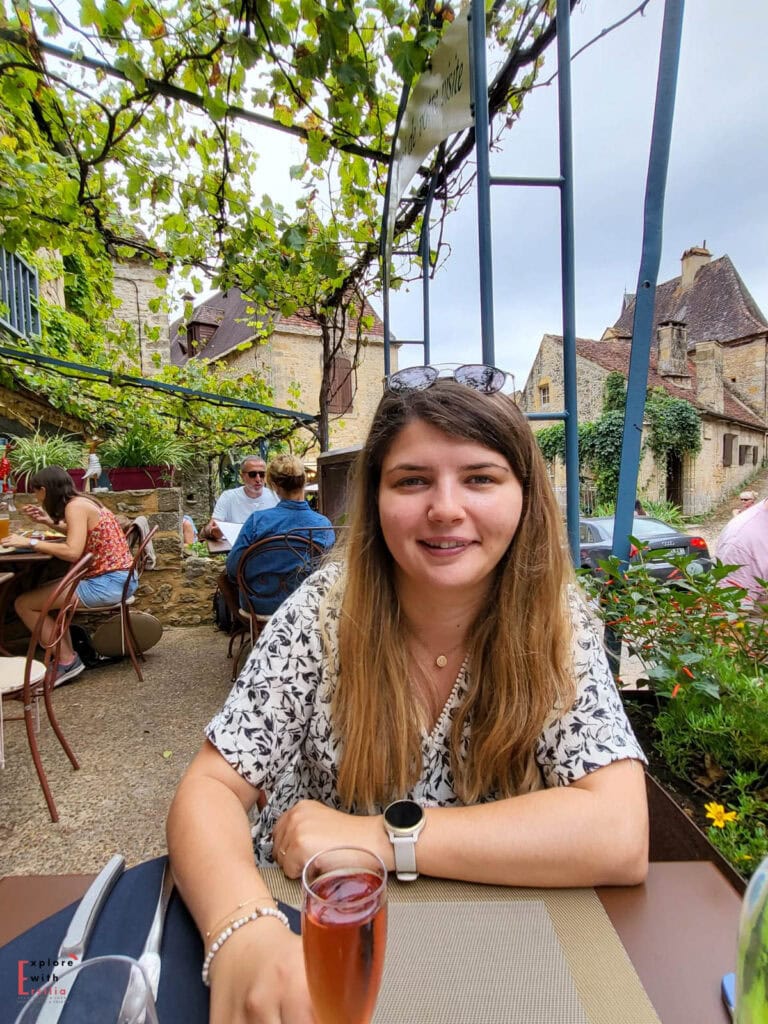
404	848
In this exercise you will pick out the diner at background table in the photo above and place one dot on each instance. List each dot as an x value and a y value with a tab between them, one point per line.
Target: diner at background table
455	604
86	526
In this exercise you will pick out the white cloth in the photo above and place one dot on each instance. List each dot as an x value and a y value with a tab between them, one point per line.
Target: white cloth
234	506
143	524
276	731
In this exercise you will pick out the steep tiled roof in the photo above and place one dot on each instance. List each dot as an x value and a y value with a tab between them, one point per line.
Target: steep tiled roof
716	305
228	311
614	355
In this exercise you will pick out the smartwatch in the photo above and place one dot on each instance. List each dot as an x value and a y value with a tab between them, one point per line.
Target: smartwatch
33	542
404	821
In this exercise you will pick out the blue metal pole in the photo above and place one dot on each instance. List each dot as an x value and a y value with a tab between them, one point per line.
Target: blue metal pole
567	276
642	326
483	184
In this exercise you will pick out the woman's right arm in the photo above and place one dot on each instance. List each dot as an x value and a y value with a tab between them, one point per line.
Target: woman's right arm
258	974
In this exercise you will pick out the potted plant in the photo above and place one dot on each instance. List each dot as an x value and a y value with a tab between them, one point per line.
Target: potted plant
143	456
34	452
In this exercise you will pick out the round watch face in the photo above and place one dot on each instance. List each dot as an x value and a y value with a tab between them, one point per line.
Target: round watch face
404	815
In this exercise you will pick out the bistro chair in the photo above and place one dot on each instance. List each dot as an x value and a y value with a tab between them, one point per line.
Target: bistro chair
290	558
128	642
29	678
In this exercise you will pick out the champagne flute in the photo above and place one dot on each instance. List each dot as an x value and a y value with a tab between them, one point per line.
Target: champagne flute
102	990
344	932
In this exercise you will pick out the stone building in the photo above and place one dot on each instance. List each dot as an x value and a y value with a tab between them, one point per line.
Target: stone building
710	347
713	302
290	360
142	306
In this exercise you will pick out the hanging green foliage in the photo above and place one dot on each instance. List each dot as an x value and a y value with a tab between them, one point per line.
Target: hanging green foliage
674	426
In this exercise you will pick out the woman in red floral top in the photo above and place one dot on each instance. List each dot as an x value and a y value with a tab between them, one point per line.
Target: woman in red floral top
88	528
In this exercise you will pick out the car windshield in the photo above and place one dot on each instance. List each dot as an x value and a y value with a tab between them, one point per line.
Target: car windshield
642	528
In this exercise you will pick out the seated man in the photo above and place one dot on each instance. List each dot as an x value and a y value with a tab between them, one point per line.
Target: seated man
292	514
237	503
234	506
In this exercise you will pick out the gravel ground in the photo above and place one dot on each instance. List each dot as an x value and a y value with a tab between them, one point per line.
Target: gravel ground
133	741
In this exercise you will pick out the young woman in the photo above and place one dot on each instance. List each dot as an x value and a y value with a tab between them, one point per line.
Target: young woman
450	661
88	527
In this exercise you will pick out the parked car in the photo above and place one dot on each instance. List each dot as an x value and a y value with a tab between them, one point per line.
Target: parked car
661	542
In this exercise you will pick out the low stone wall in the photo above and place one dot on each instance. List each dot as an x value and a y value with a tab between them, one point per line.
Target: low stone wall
179	592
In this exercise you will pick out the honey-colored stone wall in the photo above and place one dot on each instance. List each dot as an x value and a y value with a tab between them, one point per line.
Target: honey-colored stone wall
705	480
179	592
744	366
292	357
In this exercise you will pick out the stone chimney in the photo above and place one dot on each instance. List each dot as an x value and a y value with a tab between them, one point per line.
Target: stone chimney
691	260
709	374
672	337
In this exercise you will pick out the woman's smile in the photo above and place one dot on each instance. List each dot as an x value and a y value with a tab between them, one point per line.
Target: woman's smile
448	509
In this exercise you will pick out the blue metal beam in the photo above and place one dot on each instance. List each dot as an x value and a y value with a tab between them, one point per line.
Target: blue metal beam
570	395
655	190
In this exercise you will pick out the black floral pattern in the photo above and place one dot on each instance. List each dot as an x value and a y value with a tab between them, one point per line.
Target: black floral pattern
275	727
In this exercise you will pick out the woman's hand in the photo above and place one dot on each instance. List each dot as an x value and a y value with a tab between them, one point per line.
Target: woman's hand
310	826
38	514
257	977
17	540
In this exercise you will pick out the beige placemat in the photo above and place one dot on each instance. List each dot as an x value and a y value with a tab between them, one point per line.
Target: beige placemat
605	980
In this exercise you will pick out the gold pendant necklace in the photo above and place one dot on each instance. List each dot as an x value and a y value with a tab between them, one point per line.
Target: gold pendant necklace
441	660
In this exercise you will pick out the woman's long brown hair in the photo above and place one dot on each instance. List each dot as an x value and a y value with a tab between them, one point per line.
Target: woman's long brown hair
519	646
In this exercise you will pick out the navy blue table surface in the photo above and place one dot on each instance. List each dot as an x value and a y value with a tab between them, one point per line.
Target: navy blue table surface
121	928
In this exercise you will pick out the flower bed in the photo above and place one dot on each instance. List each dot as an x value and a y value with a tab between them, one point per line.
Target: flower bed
705	722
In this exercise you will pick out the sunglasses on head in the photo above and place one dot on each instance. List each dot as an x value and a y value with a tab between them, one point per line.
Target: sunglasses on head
255	472
486	379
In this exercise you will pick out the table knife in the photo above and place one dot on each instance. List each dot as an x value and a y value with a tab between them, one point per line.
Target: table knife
150	955
79	932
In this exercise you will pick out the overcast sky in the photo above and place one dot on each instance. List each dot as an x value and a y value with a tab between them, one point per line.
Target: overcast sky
717	186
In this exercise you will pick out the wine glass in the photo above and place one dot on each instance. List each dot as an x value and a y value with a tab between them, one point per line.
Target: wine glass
104	990
344	932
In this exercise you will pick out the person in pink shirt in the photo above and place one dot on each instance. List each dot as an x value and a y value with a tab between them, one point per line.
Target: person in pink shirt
744	542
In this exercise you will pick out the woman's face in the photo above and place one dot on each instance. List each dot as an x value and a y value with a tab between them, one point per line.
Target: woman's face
449	509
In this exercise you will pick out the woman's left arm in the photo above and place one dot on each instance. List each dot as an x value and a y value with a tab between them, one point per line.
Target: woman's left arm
591	832
69	550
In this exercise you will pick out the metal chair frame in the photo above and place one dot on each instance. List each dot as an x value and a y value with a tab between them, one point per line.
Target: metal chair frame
129	644
39	677
307	554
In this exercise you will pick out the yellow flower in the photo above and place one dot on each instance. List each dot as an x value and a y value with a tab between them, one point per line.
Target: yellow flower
719	815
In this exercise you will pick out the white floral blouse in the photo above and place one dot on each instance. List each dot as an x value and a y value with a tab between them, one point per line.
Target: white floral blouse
275	727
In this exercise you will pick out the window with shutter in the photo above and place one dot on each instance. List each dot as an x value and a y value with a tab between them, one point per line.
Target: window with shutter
754	454
743	449
340	385
728	440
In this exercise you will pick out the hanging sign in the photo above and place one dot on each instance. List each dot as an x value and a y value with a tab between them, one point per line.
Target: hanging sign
439	106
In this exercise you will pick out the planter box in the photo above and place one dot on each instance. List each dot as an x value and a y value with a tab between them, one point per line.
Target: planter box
140	478
78	478
22	480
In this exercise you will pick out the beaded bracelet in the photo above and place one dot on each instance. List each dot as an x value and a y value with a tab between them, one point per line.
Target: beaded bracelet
217	927
232	928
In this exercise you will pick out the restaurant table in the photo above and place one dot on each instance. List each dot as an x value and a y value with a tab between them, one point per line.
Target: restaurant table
679	930
18	561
